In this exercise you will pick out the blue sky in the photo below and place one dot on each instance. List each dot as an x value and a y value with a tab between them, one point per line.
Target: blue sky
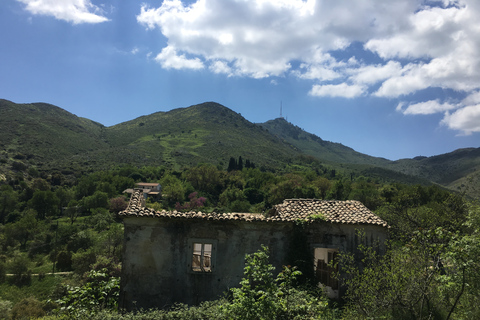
390	79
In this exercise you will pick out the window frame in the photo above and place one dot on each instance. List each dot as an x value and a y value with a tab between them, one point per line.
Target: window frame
191	255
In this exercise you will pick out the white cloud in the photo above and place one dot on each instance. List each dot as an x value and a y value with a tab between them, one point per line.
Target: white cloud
74	11
261	38
405	45
427	107
337	90
220	67
372	74
169	59
466	119
473	98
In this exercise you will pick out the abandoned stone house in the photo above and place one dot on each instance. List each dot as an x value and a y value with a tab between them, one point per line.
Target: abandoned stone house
171	256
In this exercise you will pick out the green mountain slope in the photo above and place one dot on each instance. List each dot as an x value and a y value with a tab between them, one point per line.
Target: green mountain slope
315	146
51	139
44	134
458	170
208	132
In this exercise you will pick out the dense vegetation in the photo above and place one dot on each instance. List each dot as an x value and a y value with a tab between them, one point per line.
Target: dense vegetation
44	139
50	223
61	186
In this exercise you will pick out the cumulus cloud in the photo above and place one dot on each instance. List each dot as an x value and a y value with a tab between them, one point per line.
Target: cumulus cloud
337	90
406	46
427	107
73	11
371	74
466	119
169	59
220	67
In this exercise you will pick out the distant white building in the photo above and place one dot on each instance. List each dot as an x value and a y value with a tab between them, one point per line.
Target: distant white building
149	189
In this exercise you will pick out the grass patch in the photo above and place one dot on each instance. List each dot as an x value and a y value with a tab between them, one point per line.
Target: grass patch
41	289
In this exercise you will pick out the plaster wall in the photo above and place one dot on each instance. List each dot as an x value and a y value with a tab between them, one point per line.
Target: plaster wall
156	269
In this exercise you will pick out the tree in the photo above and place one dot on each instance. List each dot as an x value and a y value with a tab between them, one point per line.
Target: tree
45	203
72	211
117	204
27	308
206	179
64	196
173	190
240	163
434	274
24	229
8	201
98	200
232	164
322	185
195	203
20	267
230	195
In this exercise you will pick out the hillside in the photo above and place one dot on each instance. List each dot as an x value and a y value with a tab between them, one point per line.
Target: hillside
313	145
49	139
458	170
208	132
45	135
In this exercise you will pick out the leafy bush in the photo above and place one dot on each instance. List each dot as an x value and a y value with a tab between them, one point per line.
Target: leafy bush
81	240
98	293
20	267
5	308
101	219
64	261
260	296
117	204
82	260
3	271
27	308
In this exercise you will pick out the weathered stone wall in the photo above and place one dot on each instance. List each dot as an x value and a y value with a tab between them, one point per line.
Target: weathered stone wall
156	269
156	266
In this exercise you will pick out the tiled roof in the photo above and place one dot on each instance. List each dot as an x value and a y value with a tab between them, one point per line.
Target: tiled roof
347	212
147	184
350	211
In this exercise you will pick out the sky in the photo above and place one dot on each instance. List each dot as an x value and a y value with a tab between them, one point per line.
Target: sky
392	79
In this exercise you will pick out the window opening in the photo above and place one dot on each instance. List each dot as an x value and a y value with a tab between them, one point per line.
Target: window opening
325	270
202	257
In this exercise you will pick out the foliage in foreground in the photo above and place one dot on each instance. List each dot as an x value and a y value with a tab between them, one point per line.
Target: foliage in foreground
432	275
260	296
100	292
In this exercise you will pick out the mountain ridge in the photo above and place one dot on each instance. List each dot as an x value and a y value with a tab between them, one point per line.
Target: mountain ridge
51	138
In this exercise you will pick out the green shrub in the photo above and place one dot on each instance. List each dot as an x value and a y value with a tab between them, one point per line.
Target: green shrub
81	240
260	296
82	260
3	271
27	308
101	219
109	265
64	261
100	292
20	267
5	309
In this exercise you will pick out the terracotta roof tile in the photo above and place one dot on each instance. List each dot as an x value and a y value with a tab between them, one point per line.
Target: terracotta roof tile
309	210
